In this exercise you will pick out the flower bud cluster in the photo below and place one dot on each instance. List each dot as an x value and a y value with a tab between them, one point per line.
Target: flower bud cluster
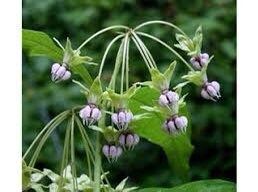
122	118
211	91
200	61
168	98
59	72
175	124
128	140
112	152
90	114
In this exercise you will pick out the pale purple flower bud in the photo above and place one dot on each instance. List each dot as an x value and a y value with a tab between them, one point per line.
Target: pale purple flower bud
211	91
200	60
59	72
55	67
168	98
90	114
122	118
175	124
105	150
181	122
119	151
66	76
128	140
112	152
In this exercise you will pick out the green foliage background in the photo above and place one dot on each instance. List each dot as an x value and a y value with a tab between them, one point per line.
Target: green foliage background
213	124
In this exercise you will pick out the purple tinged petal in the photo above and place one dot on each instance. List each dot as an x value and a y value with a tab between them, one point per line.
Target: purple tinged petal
122	139
163	100
105	150
114	118
171	126
172	97
119	151
129	140
211	90
66	76
87	111
60	72
215	85
121	117
128	116
55	67
180	123
204	94
205	56
95	113
112	151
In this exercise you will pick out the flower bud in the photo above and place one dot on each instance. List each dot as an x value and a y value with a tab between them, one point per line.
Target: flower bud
59	72
168	98
112	152
200	60
122	118
129	140
211	91
175	124
90	114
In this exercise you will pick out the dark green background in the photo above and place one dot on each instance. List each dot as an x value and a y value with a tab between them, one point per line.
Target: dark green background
213	124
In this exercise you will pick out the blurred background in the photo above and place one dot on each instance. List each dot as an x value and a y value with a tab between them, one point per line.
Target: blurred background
213	124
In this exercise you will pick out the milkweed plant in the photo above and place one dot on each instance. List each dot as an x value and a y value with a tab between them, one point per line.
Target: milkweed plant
116	115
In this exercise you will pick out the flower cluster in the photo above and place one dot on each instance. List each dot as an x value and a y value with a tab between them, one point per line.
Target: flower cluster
60	72
90	114
124	139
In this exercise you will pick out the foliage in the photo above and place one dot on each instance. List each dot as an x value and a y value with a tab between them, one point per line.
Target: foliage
213	137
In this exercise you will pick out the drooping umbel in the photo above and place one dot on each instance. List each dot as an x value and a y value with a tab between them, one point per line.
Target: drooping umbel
59	72
175	124
90	114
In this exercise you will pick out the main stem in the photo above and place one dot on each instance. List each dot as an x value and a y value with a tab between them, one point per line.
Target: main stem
97	165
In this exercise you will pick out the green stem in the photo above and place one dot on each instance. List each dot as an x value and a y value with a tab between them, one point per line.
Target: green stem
64	161
44	138
41	133
168	47
141	52
123	63
145	50
106	52
159	22
73	165
97	167
127	65
118	62
100	32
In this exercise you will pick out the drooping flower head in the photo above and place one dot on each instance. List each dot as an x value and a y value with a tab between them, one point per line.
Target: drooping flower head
128	140
175	124
122	118
90	114
200	61
168	98
211	91
112	152
59	72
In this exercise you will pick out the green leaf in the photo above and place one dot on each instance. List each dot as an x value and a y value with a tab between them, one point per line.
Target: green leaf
38	43
214	185
177	148
82	71
169	72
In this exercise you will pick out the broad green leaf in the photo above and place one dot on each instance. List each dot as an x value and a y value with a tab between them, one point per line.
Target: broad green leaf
214	185
177	148
82	71
38	43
